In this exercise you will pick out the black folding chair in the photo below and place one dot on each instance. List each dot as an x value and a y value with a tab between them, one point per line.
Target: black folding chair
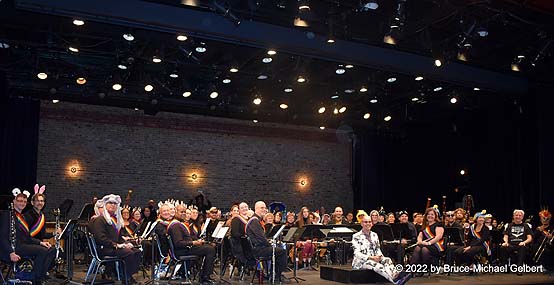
98	261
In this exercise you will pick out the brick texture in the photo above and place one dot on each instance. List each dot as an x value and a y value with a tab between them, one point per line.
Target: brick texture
118	149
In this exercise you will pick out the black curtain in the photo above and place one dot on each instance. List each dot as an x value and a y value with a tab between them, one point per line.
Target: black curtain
19	123
505	149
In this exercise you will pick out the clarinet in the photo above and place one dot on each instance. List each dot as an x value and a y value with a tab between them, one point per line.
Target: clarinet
57	235
12	234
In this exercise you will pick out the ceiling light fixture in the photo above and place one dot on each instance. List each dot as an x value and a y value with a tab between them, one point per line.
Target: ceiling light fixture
148	88
391	79
42	75
303	5
335	96
129	37
301	79
271	52
226	80
255	121
78	22
156	59
187	94
437	89
116	87
322	128
214	94
267	59
419	78
288	90
122	66
476	88
283	106
363	89
453	100
233	70
387	118
367	115
257	101
349	66
55	101
321	110
201	48
373	100
73	49
415	99
335	111
262	77
182	38
340	70
342	109
81	80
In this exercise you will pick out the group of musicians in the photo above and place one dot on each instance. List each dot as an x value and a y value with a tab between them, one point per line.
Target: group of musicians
427	239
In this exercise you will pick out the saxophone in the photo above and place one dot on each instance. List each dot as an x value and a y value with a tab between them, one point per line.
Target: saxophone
12	232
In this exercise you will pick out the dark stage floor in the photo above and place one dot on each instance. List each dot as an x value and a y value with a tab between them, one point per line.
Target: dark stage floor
312	277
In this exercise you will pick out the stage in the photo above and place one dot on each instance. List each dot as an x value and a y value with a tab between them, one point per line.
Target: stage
313	277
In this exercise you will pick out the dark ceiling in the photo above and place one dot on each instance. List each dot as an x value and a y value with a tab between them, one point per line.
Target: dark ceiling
36	39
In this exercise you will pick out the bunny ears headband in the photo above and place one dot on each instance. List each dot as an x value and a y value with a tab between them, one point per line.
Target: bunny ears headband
39	190
16	192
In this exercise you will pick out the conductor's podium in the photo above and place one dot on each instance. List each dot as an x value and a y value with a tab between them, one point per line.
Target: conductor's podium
345	274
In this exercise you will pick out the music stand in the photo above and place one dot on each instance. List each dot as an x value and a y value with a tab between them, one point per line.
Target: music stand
313	231
454	235
149	231
293	235
218	236
67	234
384	232
402	231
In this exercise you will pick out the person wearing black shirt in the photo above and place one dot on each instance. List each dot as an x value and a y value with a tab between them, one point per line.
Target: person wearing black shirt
517	237
542	232
429	240
479	237
41	252
107	235
187	244
260	245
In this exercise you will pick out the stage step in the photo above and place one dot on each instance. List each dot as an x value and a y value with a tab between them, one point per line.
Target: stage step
345	274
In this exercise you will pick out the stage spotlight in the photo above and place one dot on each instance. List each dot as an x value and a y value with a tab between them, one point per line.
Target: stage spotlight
262	77
391	79
187	94
366	116
283	106
78	22
437	89
42	75
257	101
81	80
129	37
301	79
303	5
73	49
476	88
288	90
373	100
267	59
415	99
453	100
363	89
122	66
233	70
182	38
369	5
340	69
55	101
335	111
419	78
342	109
271	52
322	127
226	80
214	94
148	88
387	118
201	48
116	87
438	62
255	121
156	59
321	110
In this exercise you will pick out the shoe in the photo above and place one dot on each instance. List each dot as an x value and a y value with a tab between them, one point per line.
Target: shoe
399	276
404	279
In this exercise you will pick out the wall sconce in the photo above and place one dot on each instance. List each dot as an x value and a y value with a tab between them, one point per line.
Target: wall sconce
194	176
73	169
303	182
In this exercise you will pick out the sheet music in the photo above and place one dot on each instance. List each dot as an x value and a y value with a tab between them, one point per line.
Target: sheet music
205	226
149	231
221	233
218	228
145	229
341	230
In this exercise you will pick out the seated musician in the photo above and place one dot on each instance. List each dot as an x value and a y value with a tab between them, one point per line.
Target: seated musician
391	250
195	223
517	237
128	231
338	218
290	220
164	219
460	216
478	243
367	254
35	217
542	235
360	215
350	218
307	249
268	222
260	245
430	240
98	209
107	234
450	221
233	212
238	231
41	252
417	221
391	219
136	220
278	218
412	235
186	244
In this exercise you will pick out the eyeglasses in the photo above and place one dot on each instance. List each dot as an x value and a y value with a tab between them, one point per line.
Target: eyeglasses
450	215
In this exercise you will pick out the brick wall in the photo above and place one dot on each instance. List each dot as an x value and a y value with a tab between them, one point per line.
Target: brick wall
117	149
